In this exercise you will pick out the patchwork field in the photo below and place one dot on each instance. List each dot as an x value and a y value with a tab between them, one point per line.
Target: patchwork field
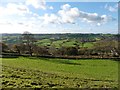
65	43
24	72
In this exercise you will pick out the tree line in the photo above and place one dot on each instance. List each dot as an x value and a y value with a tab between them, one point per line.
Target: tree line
27	46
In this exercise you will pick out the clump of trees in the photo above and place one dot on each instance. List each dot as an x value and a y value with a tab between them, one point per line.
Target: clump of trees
40	51
4	47
70	51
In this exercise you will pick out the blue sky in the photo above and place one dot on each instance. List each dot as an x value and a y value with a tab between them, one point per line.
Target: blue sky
39	16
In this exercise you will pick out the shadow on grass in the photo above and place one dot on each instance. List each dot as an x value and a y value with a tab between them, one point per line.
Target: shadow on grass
56	60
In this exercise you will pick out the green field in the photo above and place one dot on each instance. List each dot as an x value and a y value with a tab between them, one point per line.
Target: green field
59	73
65	43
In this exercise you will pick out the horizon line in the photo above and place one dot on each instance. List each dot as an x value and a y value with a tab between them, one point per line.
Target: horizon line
61	33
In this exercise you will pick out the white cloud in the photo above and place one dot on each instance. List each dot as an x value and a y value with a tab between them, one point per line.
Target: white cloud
94	18
70	15
34	22
14	28
67	14
111	8
51	8
13	9
38	4
52	18
65	7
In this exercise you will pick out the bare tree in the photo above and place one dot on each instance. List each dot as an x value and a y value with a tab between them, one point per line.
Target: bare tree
29	41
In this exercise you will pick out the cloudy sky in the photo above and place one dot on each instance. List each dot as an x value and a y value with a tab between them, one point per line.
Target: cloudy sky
40	16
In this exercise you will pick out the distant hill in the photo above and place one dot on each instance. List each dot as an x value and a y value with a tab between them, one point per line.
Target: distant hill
14	38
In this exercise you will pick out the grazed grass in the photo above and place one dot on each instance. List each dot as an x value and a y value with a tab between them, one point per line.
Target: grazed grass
65	43
45	72
89	44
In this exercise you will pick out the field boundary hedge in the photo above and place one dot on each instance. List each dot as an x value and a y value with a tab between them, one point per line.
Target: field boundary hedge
16	55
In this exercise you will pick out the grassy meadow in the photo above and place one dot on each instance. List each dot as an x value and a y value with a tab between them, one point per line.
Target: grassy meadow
64	43
32	72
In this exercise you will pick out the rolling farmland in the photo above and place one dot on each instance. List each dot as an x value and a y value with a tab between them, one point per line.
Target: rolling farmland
24	72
